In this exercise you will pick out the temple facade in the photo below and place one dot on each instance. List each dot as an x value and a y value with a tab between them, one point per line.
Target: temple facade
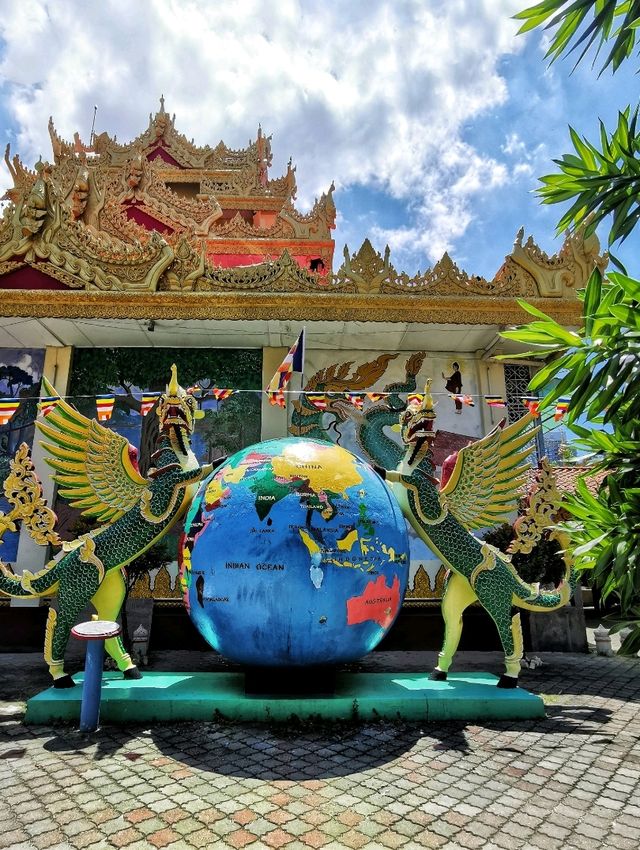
158	246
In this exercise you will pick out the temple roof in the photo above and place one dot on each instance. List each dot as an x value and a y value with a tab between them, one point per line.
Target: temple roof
161	181
241	172
105	226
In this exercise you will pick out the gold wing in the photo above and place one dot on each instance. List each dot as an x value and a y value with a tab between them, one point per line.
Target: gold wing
92	463
484	484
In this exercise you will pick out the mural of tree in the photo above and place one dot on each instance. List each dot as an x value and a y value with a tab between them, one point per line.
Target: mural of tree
15	379
23	383
234	425
129	370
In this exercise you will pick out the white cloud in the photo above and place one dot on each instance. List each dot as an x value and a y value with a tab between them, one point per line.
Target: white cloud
367	94
25	362
526	161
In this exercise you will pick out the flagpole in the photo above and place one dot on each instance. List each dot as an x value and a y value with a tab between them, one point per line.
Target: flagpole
304	351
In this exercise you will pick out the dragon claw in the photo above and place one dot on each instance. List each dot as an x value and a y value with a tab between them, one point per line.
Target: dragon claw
438	675
507	681
132	673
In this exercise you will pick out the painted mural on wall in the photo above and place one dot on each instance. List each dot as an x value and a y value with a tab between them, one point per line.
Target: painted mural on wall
20	375
227	426
368	425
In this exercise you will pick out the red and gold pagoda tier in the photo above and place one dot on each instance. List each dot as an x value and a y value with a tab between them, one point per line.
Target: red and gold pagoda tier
162	182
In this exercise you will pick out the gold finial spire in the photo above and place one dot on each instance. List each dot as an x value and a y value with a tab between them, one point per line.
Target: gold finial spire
427	402
173	387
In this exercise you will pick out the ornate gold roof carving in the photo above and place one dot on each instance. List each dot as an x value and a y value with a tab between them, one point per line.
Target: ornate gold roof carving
47	226
56	217
560	275
318	222
144	170
46	229
239	228
70	221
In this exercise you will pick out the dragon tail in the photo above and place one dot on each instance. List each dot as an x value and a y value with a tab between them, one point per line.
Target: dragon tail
526	596
29	585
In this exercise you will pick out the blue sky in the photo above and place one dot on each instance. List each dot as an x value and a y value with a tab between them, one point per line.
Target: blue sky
433	119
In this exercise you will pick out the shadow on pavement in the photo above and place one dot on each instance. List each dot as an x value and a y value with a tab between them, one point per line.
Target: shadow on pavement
297	751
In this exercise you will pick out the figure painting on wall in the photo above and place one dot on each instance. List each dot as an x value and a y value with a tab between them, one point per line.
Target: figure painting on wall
453	385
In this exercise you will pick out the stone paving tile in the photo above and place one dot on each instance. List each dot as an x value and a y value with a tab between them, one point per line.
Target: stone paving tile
570	781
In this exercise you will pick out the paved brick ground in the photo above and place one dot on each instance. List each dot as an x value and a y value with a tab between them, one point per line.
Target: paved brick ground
570	781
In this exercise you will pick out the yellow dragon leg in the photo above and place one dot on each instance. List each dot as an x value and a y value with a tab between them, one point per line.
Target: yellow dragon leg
512	662
108	601
457	596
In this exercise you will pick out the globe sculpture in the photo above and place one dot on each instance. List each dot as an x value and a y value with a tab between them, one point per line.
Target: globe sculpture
294	553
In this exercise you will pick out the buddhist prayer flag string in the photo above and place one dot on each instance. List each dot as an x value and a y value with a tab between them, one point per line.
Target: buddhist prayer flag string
495	401
415	398
376	396
47	404
147	402
532	403
562	405
318	400
221	395
104	406
356	399
464	399
293	362
8	407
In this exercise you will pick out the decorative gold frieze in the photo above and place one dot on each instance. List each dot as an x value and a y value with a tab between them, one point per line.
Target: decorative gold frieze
293	306
280	275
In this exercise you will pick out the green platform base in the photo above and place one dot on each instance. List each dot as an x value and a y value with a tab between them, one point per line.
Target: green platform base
163	697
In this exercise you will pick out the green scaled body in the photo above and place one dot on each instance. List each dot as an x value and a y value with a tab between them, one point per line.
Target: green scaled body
481	492
95	473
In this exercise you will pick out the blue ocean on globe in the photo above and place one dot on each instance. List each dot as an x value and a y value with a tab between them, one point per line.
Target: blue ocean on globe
294	553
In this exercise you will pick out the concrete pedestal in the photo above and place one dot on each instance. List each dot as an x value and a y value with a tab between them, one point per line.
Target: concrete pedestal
162	697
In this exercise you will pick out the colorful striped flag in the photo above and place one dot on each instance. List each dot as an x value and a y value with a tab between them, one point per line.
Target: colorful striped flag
562	405
495	401
196	391
375	396
147	401
318	400
532	403
356	399
415	398
464	399
47	404
221	395
8	407
104	406
293	362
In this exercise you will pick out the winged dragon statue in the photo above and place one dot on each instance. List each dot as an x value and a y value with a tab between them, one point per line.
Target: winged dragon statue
480	492
97	472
